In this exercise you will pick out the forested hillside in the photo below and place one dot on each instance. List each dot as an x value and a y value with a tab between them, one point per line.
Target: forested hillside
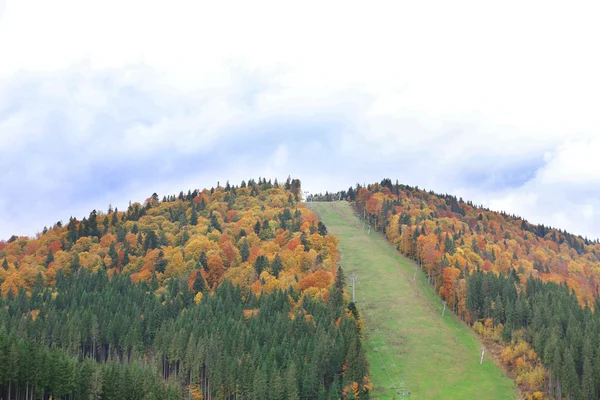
531	288
227	293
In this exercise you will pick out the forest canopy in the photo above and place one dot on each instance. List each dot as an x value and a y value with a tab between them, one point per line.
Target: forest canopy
232	292
531	288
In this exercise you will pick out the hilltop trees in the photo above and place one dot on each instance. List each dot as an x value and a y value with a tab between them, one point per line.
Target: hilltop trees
533	288
181	298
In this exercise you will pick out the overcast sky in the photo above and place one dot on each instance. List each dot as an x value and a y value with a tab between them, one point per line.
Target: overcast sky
109	101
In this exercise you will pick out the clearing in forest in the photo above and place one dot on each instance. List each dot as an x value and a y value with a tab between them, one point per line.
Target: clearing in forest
408	339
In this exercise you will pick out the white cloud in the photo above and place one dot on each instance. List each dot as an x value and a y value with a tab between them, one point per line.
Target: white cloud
497	103
573	162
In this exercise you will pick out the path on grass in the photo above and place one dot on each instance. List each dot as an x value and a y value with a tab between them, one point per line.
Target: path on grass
408	339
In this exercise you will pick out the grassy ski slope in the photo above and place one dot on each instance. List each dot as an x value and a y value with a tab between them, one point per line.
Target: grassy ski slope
436	357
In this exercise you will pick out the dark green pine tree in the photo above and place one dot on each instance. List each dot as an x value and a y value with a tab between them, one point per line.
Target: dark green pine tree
199	282
336	296
214	222
498	313
569	379
114	219
121	233
276	266
322	229
183	238
194	216
150	240
37	292
244	250
114	257
276	386
5	264
257	228
203	259
161	263
449	244
259	386
291	384
163	241
304	241
72	230
588	379
153	282
76	263
92	224
356	362
105	224
49	258
261	263
125	257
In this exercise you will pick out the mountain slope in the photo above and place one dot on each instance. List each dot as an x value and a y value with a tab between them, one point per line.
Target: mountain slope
532	289
230	292
437	357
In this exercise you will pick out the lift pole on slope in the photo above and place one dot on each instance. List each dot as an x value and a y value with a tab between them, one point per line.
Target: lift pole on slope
354	279
307	200
482	353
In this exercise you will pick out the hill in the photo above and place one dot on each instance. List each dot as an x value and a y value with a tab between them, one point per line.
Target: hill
407	339
232	292
531	288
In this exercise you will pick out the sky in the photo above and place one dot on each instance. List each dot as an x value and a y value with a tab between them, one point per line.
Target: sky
106	102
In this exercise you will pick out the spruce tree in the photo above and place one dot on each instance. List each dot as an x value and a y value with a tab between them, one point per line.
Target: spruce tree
203	261
588	380
291	384
112	253
259	386
49	258
276	266
498	311
75	264
257	228
244	250
194	216
569	379
322	229
199	283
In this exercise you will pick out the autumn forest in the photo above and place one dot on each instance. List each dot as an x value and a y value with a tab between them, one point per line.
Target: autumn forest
229	293
531	289
238	292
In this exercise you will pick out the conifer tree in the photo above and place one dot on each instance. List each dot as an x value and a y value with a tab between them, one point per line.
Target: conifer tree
49	258
276	266
75	264
322	229
194	216
291	384
203	259
199	283
569	379
244	250
588	380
